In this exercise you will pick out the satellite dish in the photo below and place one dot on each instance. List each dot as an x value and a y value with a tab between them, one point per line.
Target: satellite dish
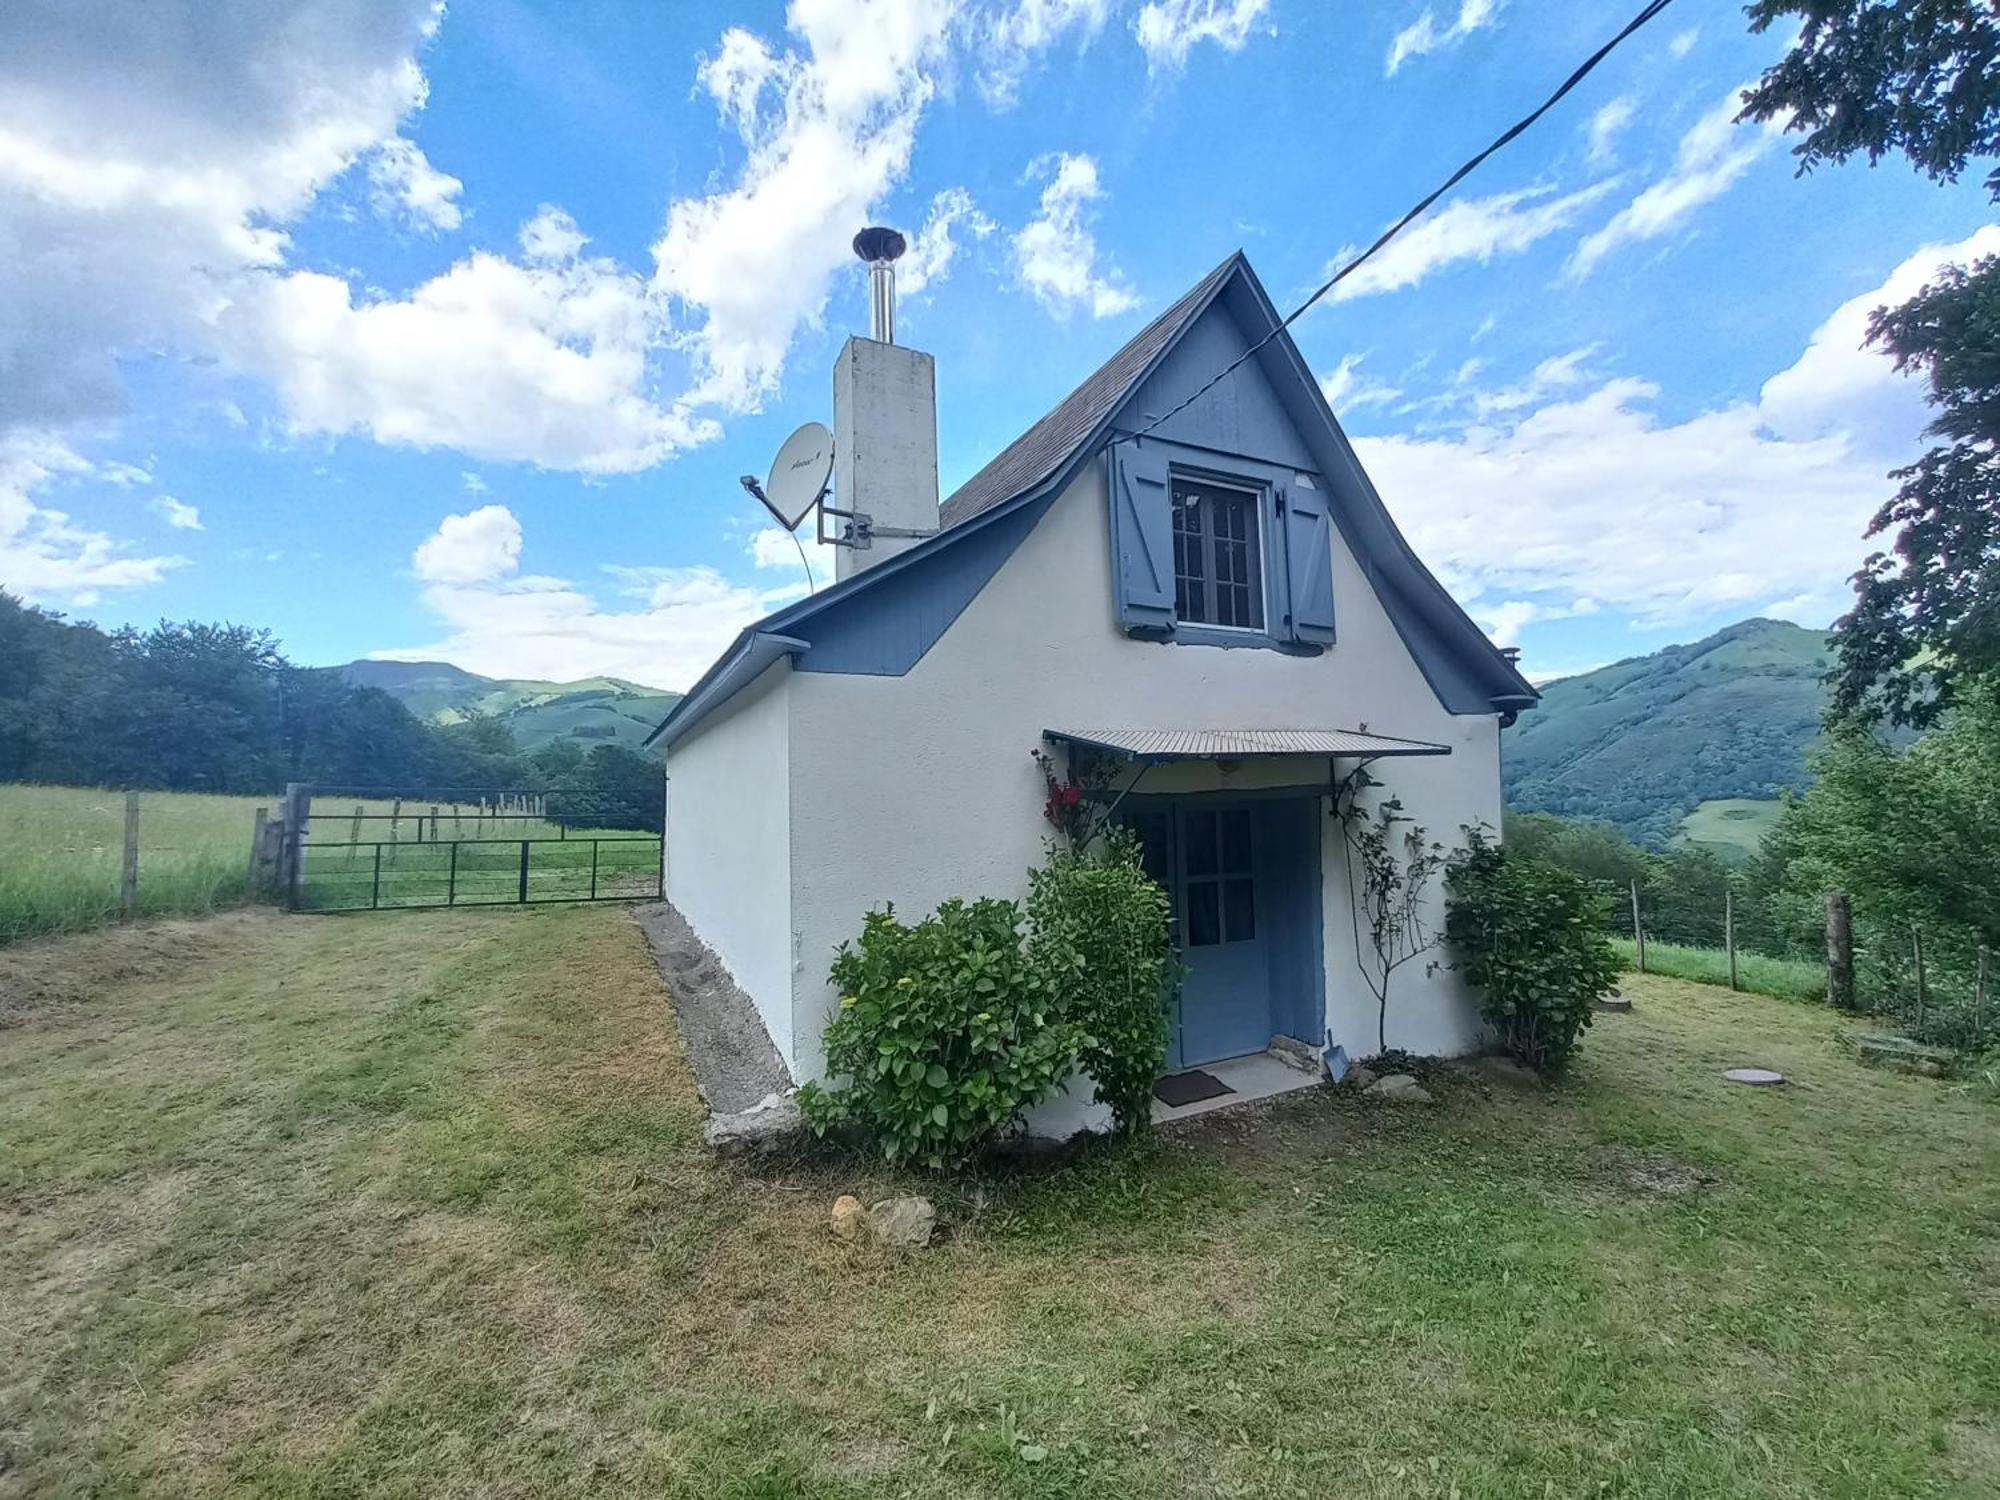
799	475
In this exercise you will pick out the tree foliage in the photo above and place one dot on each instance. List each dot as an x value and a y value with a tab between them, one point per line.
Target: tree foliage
218	708
1911	835
1920	77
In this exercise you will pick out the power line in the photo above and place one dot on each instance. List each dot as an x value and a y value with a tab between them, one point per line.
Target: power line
1583	71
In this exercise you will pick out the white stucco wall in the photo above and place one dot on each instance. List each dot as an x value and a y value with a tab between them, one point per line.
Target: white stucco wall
728	847
922	787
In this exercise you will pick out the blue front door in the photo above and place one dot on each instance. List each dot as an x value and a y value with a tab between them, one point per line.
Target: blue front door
1207	855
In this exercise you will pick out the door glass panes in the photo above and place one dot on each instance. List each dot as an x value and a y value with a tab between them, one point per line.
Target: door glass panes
1221	900
1204	914
1202	855
1218	571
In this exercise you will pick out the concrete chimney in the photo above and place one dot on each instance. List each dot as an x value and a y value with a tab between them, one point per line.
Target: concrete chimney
884	425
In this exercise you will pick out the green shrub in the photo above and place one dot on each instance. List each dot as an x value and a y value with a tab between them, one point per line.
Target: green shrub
1530	938
945	1033
1098	939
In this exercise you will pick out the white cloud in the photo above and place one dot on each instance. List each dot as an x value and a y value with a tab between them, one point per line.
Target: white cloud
1426	35
933	246
150	156
505	624
830	129
541	360
178	513
1558	372
1055	253
404	179
1007	38
1607	124
45	557
776	549
1468	229
1714	153
1833	387
1347	389
1683	42
477	547
1168	30
1581	495
474	485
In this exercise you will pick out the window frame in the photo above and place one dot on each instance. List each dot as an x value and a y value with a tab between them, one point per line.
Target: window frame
1262	480
1261	509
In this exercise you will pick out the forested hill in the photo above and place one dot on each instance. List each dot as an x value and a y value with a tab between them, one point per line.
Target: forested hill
591	711
1643	743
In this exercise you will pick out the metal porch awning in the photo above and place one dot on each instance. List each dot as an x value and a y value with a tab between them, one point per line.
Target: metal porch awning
1156	745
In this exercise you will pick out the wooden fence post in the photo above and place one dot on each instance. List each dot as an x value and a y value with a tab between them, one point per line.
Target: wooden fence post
128	886
1839	952
298	816
1638	929
257	825
1917	954
1729	932
354	833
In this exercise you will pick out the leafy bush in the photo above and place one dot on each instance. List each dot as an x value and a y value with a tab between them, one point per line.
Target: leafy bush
1530	937
945	1033
1099	942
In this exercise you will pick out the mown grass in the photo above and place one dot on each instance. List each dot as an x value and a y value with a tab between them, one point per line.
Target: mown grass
64	851
415	1206
1783	978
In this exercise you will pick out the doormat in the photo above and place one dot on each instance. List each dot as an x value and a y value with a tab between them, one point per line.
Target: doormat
1190	1087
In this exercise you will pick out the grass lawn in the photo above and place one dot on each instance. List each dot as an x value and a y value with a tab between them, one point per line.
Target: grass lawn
1784	978
414	1205
62	851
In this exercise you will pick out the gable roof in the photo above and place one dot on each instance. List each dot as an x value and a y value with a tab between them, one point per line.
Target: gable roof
1045	447
1465	669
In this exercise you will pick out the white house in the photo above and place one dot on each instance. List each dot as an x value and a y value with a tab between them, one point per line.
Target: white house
1211	594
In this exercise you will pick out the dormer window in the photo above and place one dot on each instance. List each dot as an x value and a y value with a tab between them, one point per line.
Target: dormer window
1218	561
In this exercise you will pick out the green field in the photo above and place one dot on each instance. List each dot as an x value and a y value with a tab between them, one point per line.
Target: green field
419	1208
1734	827
1784	978
64	850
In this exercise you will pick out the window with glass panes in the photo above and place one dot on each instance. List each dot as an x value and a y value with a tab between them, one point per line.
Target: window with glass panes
1219	894
1218	568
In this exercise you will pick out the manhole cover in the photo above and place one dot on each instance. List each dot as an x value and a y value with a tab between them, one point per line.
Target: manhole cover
1761	1077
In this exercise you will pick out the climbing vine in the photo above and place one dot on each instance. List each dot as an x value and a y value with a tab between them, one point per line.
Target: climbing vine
1395	861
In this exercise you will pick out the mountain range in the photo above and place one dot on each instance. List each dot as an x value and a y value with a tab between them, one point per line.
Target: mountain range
591	710
1693	743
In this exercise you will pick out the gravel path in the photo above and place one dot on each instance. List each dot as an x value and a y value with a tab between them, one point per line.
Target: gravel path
735	1065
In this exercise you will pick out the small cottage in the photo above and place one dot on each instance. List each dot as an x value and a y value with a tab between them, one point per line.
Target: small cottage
1188	580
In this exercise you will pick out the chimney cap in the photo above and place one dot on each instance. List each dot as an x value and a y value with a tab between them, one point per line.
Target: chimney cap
878	244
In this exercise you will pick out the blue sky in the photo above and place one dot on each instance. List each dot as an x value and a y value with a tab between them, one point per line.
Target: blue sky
446	333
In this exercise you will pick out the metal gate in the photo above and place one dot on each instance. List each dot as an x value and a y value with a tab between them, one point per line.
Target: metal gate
384	849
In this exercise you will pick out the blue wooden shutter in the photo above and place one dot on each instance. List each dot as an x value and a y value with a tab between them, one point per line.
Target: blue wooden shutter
1142	538
1308	531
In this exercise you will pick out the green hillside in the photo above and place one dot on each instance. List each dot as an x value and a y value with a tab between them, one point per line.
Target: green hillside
1646	742
591	710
